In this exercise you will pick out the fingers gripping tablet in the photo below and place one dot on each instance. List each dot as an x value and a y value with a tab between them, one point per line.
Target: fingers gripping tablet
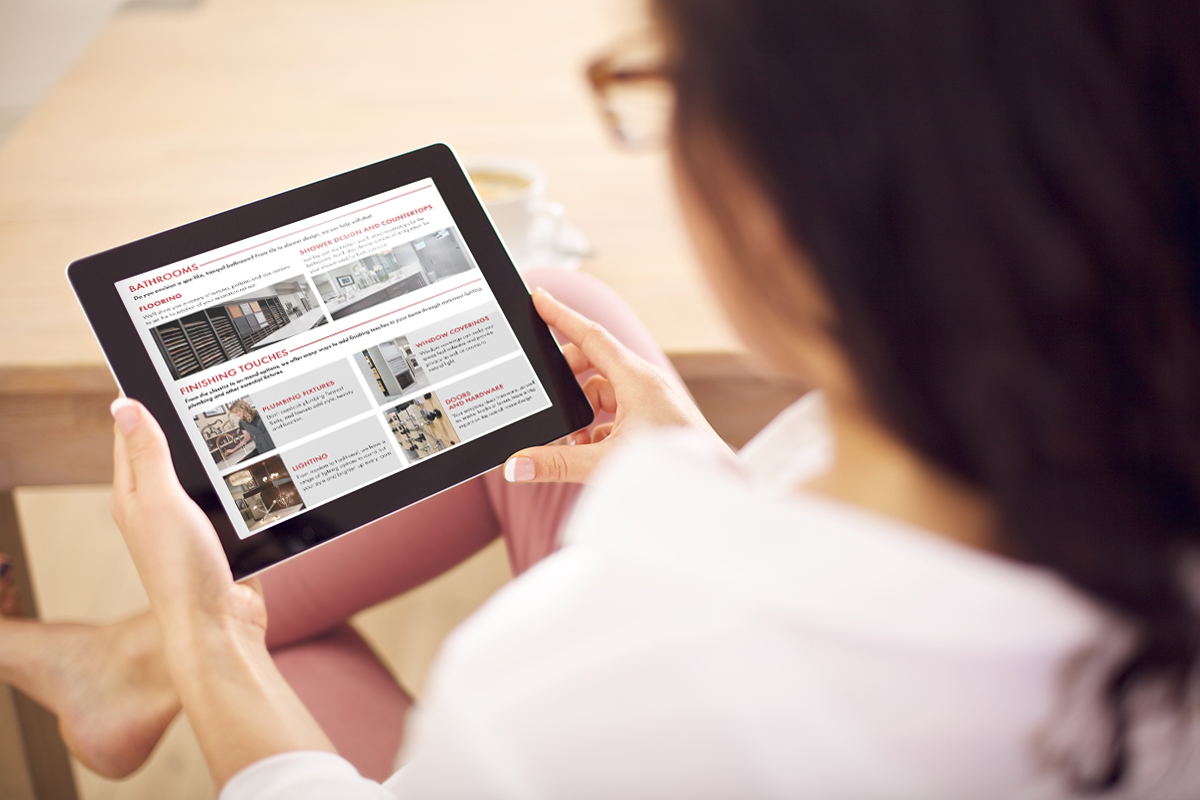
327	356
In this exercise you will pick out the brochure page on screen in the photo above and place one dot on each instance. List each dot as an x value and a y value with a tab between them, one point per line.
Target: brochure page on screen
317	358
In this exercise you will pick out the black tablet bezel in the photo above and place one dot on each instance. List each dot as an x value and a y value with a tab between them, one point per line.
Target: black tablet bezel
94	280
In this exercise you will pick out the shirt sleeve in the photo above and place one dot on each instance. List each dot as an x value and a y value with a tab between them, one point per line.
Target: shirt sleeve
305	775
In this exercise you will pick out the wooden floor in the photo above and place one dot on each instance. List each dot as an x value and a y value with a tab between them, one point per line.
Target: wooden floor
81	571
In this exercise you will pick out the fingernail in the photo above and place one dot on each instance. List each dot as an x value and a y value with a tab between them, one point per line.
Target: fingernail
519	469
125	414
543	291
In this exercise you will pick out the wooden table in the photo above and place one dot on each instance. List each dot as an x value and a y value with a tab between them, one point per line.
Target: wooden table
172	115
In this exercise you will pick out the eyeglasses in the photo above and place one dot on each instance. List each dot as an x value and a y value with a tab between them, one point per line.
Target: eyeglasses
634	93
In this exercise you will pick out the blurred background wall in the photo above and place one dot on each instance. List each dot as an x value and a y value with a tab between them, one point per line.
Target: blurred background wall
39	40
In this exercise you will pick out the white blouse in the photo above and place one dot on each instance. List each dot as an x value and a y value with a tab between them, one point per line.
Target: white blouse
707	632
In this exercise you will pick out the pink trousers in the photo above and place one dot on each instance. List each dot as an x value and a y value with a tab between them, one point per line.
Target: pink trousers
310	598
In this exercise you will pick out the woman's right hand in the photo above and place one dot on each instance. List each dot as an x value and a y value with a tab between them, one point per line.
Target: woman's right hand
637	393
177	553
240	706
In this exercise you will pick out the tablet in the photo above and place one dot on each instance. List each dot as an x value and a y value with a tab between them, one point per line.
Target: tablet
324	357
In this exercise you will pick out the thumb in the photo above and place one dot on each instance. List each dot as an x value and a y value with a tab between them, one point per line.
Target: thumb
554	463
145	452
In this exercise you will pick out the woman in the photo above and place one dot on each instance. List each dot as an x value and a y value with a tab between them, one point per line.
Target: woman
253	429
976	226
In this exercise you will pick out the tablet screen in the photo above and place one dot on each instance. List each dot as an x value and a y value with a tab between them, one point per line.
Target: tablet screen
323	356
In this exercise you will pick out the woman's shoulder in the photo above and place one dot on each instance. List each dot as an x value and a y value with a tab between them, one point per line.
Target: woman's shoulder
666	468
794	446
671	501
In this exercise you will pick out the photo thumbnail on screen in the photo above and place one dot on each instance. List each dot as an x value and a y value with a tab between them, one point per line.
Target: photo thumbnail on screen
264	493
391	369
234	431
391	273
233	328
421	426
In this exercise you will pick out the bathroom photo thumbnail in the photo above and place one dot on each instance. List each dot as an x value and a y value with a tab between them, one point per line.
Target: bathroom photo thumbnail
233	328
421	426
391	369
234	431
264	493
391	273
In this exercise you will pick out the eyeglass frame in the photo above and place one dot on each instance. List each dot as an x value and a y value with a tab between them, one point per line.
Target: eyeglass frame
602	75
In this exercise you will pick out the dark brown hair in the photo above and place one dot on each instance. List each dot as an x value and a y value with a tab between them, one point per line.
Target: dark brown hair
1002	200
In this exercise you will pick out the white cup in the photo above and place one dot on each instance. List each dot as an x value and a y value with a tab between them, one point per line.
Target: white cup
514	192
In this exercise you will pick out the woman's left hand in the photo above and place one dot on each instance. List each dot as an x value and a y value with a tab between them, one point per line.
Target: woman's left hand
637	394
173	544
